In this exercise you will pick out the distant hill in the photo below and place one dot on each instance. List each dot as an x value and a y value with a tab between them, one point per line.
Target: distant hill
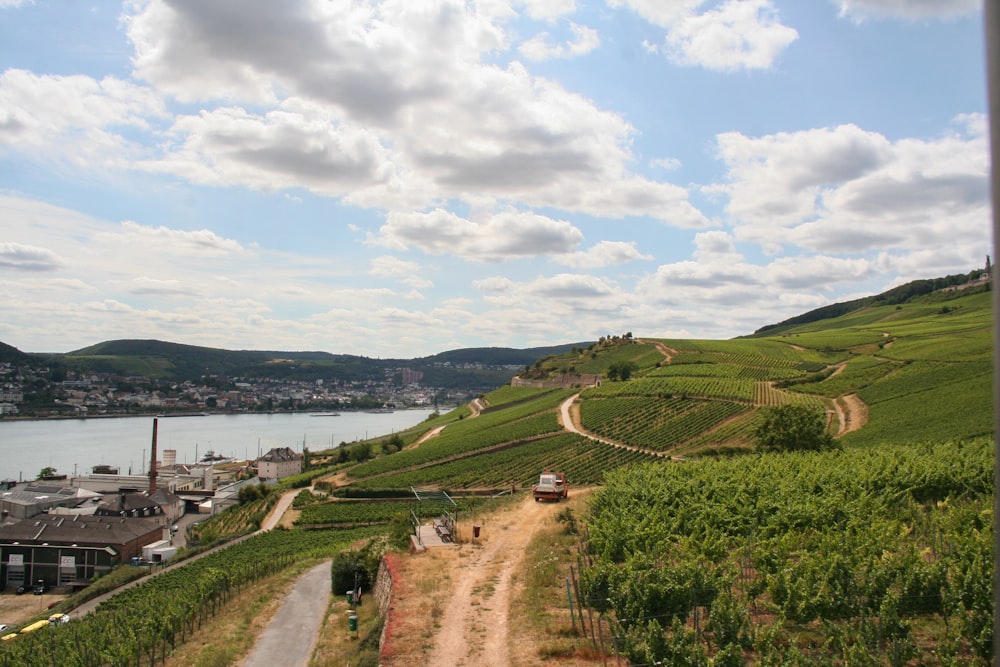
485	367
892	297
9	353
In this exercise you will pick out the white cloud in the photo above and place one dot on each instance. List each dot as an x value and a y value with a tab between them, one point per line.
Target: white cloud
604	253
741	34
539	47
20	257
505	235
494	284
166	241
408	273
860	10
547	9
144	285
734	35
669	163
777	179
75	119
844	190
281	149
443	118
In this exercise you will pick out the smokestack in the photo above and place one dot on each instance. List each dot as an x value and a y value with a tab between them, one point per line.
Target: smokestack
152	463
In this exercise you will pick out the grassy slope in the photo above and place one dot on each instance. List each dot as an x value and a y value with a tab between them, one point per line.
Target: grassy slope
924	369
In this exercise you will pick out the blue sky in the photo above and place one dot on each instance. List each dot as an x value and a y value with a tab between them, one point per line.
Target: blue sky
400	178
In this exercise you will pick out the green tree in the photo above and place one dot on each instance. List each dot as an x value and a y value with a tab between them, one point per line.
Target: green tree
45	472
621	370
790	428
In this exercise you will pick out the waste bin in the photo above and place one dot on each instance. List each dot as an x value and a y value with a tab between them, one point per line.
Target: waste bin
352	624
475	531
350	598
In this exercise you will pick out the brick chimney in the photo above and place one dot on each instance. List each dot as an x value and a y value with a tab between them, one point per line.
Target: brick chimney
152	462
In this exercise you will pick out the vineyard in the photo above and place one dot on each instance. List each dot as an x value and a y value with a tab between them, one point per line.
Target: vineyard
879	552
583	460
519	422
142	624
887	552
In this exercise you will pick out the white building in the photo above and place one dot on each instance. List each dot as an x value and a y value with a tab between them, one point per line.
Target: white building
278	463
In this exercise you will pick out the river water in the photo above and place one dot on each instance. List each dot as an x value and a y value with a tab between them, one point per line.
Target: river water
74	446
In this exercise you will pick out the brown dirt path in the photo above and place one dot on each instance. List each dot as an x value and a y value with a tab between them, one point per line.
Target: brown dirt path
453	602
853	413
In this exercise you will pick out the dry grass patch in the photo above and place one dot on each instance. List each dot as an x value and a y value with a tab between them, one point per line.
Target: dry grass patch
230	634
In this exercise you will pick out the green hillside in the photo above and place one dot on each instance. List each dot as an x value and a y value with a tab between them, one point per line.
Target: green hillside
702	552
896	373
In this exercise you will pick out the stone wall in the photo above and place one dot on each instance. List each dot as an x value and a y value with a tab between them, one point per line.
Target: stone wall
383	598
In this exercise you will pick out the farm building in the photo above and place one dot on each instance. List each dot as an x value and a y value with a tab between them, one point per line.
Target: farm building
63	550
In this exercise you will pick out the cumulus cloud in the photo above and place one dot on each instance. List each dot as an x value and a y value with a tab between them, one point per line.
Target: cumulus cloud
75	118
843	189
571	286
860	10
604	253
541	47
734	35
740	34
20	257
505	235
442	117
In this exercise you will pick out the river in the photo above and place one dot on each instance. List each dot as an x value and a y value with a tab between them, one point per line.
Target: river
74	446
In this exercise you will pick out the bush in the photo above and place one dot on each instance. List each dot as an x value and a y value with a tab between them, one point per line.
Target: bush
792	428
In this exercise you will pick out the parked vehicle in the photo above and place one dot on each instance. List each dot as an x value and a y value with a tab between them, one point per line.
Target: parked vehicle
40	587
551	486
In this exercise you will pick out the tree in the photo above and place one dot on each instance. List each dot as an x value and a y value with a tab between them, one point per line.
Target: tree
621	370
792	428
45	472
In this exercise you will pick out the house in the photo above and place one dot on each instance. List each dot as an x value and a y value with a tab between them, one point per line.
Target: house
278	463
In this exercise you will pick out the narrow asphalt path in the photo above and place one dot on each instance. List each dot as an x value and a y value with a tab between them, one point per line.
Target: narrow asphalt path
291	635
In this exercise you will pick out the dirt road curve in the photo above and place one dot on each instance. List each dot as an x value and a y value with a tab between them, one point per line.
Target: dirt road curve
474	628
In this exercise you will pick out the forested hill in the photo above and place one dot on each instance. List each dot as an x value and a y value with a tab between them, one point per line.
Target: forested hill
894	296
486	366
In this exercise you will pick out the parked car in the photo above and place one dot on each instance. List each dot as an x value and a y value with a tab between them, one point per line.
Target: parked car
40	587
3	627
22	589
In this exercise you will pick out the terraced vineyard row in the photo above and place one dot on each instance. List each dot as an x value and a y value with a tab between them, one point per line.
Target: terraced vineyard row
583	460
728	370
734	389
659	424
354	512
516	423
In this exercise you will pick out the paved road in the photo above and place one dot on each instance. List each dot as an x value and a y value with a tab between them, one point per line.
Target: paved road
291	635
